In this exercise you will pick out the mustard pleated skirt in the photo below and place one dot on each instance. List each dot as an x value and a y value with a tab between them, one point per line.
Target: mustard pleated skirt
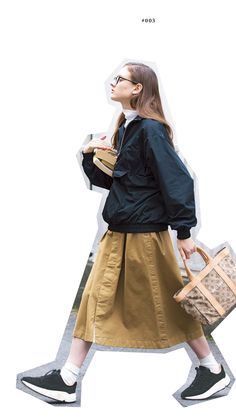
128	298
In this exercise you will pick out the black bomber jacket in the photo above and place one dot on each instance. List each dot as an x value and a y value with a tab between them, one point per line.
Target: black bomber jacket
151	187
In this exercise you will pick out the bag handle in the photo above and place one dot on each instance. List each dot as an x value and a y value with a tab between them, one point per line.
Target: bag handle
207	258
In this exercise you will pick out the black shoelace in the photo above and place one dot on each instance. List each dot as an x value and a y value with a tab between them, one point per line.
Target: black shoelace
54	371
51	372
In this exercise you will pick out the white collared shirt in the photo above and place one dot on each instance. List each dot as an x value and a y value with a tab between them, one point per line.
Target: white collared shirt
129	115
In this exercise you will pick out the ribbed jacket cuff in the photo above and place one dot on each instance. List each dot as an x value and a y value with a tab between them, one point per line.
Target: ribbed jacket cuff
183	233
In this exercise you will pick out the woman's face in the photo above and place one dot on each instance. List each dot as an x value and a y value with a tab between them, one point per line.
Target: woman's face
122	88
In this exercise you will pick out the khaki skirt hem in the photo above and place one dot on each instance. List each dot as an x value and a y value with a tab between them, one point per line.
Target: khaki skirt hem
137	343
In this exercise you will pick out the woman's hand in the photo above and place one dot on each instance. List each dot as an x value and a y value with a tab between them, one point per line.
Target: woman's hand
96	143
186	247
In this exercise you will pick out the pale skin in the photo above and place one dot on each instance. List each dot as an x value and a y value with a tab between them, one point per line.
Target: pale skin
122	92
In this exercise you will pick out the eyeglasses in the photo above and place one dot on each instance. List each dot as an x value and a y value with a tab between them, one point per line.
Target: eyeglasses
117	79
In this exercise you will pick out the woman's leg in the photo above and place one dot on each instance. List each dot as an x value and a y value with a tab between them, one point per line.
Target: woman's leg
200	346
210	377
78	351
61	384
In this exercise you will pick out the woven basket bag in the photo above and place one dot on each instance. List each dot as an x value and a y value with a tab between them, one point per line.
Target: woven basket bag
211	294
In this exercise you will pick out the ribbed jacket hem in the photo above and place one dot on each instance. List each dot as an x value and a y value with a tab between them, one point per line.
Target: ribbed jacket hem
137	228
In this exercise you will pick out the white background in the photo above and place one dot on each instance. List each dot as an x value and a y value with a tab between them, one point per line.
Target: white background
56	57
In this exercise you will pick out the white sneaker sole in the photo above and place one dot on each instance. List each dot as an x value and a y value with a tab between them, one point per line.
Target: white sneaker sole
217	387
61	396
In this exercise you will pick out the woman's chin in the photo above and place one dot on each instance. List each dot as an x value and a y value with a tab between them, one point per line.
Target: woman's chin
113	97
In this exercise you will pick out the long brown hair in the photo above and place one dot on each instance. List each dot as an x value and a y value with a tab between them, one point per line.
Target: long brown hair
148	102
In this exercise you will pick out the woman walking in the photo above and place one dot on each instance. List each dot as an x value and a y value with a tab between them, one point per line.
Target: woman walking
128	298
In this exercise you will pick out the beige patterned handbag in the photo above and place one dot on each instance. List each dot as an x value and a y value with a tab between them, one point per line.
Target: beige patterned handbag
211	294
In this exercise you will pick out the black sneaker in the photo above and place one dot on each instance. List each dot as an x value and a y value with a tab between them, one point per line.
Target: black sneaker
205	384
52	385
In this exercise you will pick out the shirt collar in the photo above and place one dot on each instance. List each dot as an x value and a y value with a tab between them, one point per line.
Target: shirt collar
130	114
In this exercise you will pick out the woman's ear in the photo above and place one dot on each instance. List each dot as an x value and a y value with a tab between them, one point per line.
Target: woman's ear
138	89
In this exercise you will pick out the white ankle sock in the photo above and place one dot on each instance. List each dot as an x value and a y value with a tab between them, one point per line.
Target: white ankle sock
69	373
210	362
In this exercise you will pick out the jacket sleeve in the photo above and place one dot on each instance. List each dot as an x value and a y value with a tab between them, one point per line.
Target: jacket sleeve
96	176
176	184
